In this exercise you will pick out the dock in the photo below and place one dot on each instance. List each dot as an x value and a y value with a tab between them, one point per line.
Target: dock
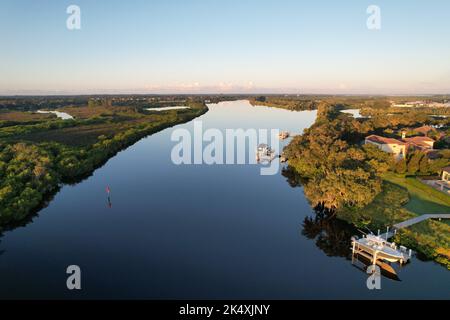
376	248
284	135
411	222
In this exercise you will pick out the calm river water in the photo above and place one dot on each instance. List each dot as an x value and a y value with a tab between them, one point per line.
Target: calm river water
194	231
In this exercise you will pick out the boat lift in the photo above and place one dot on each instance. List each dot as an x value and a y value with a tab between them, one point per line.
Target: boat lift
375	248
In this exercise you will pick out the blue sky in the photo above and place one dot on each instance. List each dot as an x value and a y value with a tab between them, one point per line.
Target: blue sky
194	46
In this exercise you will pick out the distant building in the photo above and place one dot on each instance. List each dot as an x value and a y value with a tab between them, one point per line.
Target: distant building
424	130
444	183
439	105
446	174
411	104
419	143
389	145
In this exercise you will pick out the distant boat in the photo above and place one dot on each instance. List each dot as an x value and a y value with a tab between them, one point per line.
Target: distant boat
264	153
264	149
283	135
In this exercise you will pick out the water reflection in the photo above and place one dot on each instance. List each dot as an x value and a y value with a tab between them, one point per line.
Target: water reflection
109	202
292	177
1	251
331	235
387	270
108	192
11	225
191	232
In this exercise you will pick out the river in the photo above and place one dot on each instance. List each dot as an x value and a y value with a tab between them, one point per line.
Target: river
60	115
194	231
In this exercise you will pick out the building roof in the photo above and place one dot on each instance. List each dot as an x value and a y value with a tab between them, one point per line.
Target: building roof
383	140
446	169
424	129
419	141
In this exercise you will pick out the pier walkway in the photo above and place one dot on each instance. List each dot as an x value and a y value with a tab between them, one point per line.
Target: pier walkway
413	221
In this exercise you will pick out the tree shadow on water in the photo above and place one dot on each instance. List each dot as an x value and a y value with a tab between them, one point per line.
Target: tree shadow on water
10	224
331	235
1	251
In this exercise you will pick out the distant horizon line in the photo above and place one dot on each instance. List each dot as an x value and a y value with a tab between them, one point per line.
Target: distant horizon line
222	94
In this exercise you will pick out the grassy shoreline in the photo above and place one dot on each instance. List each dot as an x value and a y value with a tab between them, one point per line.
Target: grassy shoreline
423	199
357	181
35	159
431	239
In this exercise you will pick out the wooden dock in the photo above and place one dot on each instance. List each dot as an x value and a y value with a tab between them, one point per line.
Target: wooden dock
413	221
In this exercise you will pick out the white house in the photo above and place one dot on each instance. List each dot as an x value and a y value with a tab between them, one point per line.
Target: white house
389	145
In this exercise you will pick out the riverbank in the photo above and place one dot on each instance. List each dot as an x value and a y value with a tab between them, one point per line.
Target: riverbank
430	239
36	158
154	231
358	182
423	198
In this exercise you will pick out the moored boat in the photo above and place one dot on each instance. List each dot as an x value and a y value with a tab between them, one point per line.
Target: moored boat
264	153
377	248
283	135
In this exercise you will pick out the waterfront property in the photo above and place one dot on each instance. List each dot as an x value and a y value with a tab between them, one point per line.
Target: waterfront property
411	222
399	148
389	145
424	130
419	143
378	250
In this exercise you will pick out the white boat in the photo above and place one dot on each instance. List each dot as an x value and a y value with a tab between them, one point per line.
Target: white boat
264	153
377	248
283	135
264	149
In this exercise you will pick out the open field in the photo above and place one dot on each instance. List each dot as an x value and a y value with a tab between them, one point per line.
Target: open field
89	124
37	157
423	199
23	117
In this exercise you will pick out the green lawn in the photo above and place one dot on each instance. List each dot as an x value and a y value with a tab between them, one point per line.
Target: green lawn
401	199
423	199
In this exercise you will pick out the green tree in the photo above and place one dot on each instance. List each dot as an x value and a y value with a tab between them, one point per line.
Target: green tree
401	166
424	165
414	162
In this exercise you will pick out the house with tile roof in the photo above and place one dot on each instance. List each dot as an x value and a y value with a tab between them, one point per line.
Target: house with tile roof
396	147
424	130
419	143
